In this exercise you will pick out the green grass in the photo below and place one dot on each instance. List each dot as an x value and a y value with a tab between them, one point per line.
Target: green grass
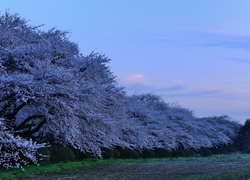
12	174
75	166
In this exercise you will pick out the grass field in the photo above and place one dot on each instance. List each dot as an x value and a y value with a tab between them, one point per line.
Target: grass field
213	167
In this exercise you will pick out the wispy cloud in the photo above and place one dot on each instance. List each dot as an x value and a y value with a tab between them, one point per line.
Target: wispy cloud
180	89
139	83
205	92
173	85
217	32
196	92
173	88
161	39
224	32
219	37
242	92
215	93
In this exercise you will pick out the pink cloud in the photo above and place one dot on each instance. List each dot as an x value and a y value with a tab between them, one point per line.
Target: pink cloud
176	82
135	79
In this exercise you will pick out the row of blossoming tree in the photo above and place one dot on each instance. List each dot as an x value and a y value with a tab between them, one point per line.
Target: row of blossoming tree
49	90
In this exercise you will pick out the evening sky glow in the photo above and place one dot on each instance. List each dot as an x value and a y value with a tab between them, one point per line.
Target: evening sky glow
193	52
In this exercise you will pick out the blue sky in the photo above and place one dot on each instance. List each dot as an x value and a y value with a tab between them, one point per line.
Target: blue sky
195	53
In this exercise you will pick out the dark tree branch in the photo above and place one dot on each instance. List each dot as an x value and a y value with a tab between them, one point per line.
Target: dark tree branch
24	123
38	127
29	133
59	95
7	97
16	110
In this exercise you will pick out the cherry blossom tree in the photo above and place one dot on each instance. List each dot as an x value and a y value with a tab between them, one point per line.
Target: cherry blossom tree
49	88
152	123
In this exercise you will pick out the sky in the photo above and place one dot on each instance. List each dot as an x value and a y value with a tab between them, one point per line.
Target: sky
191	52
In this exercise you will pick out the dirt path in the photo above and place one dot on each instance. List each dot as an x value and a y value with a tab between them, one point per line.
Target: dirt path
151	171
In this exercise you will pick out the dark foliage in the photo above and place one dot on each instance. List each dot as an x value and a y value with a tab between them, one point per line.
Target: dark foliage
79	155
147	153
242	141
107	153
160	152
178	153
59	153
116	153
205	152
128	153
